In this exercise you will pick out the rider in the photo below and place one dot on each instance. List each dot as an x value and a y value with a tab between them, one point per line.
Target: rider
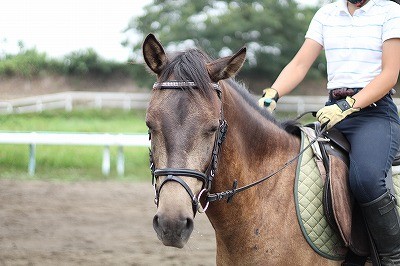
361	39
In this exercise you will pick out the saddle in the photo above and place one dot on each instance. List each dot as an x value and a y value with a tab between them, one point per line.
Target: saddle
342	212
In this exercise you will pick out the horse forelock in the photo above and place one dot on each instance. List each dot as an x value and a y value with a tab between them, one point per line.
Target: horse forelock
189	65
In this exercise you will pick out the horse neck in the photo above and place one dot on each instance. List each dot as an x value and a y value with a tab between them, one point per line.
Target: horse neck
253	139
254	147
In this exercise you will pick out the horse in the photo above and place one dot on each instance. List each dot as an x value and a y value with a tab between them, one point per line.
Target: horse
193	156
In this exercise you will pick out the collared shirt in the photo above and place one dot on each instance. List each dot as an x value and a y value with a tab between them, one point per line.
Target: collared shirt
353	44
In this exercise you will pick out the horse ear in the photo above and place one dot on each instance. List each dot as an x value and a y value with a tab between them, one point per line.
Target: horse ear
153	53
226	67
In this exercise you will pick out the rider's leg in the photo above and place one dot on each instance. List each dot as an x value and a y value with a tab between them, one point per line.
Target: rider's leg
374	136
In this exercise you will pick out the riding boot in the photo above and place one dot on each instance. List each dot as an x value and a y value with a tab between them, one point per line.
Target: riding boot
383	222
353	259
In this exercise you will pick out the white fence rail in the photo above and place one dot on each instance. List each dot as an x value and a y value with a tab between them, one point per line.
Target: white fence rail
89	139
70	100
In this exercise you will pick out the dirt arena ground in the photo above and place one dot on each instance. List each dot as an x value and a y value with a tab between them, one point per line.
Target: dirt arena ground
90	223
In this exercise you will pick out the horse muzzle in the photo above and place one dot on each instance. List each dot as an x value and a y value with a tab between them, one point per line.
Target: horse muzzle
171	231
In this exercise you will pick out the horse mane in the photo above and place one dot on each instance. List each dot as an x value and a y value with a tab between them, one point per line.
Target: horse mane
190	65
290	126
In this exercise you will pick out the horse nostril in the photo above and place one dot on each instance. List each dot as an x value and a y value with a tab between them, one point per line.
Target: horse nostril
189	224
156	223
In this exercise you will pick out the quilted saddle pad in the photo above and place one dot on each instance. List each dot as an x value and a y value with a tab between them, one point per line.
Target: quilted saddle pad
308	194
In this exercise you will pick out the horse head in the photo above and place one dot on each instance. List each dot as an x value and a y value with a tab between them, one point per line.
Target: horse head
186	125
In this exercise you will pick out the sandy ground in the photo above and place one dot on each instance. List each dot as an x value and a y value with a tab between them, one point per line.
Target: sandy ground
90	223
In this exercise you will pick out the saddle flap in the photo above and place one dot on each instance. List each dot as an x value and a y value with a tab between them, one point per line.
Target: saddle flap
340	207
340	210
342	202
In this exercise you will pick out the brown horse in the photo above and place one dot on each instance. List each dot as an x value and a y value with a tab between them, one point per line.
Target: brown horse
191	99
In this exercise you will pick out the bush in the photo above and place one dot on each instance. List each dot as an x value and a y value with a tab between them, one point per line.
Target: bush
89	62
27	63
30	63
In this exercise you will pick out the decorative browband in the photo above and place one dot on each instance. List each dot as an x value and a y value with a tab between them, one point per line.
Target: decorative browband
178	84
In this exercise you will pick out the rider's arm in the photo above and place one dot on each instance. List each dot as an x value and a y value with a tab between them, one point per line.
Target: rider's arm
298	67
386	80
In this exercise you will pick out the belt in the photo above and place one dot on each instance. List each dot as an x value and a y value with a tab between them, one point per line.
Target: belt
341	93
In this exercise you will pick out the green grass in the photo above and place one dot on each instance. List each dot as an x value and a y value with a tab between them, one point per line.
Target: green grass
111	121
73	162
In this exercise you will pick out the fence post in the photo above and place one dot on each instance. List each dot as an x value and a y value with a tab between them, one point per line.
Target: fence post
98	102
106	161
68	103
10	108
120	161
301	107
127	104
32	159
39	106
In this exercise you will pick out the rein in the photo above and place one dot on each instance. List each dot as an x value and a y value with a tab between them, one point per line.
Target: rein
228	194
208	176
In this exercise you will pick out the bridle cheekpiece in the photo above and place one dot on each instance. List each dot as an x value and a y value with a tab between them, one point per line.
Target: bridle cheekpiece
173	174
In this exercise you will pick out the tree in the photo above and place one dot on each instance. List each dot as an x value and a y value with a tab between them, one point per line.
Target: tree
272	30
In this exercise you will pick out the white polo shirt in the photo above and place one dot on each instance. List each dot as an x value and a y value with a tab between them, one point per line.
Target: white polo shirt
353	44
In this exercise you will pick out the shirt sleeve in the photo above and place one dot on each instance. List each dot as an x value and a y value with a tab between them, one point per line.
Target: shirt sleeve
315	29
391	26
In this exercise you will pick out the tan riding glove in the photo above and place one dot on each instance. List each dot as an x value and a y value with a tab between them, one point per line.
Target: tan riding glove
335	113
269	99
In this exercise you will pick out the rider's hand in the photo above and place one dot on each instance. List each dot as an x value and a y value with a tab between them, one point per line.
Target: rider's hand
333	114
269	99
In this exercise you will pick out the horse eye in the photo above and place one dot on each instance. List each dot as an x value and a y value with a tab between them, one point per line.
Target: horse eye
149	125
150	129
213	129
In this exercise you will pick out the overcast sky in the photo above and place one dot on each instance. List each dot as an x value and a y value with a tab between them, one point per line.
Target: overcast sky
58	27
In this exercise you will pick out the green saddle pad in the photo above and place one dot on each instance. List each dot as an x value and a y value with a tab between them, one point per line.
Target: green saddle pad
308	197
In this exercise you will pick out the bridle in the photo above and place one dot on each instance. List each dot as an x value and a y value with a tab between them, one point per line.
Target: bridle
172	174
